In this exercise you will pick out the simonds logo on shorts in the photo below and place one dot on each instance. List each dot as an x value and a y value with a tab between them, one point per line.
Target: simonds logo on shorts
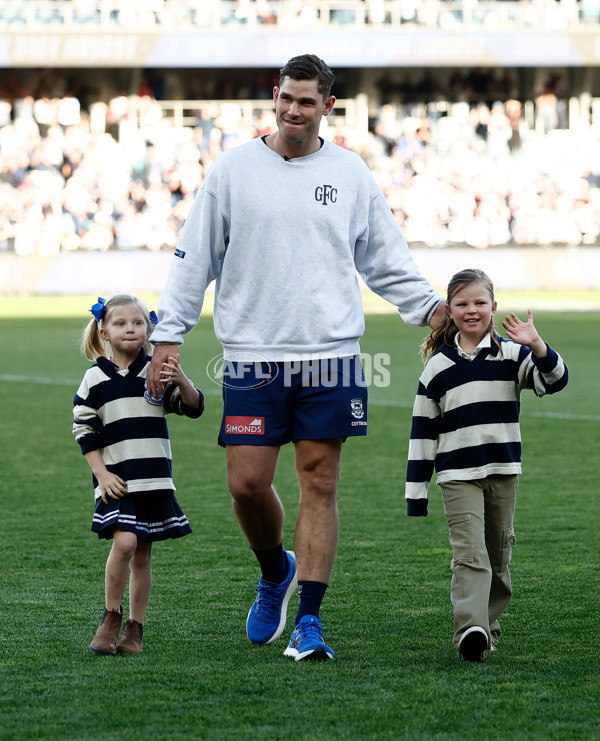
245	425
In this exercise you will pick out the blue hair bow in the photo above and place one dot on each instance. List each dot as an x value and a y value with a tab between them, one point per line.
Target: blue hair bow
153	317
98	308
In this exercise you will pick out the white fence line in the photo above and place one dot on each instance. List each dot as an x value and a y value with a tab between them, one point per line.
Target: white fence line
511	268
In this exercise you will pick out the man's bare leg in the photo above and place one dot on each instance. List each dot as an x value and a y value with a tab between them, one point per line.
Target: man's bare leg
317	527
316	536
250	473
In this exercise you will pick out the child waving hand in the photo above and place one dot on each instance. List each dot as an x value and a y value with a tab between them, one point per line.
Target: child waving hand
466	427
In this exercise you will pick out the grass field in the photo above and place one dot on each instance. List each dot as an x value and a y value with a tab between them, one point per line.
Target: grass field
387	613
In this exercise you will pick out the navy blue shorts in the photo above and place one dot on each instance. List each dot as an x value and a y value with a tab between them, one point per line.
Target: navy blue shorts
277	403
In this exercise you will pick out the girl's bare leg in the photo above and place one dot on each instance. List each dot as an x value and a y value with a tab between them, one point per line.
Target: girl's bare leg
140	582
117	567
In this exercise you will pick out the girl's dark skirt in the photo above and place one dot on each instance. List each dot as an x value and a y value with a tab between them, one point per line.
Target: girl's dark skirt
151	515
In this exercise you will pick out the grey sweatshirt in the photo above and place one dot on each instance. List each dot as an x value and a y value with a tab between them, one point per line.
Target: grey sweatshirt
283	240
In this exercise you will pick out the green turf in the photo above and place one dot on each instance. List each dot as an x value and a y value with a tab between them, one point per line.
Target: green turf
387	613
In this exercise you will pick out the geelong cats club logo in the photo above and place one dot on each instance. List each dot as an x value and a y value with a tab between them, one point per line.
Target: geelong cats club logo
357	408
325	194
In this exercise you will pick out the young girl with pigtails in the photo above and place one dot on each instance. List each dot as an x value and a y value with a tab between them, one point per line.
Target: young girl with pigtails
123	435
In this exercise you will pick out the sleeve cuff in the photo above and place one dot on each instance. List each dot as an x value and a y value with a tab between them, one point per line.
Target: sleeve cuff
194	412
548	363
88	443
417	507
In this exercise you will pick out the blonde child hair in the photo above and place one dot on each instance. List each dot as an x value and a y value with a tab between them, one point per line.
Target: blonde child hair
445	333
92	344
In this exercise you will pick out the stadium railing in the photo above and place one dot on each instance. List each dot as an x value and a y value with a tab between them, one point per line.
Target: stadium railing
350	112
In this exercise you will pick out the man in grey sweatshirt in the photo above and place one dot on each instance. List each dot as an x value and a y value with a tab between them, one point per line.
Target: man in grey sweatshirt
283	224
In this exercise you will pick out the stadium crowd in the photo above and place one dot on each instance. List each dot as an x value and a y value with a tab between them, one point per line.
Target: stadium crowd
163	14
472	173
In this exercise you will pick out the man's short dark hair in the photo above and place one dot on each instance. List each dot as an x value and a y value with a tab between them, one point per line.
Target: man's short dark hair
309	67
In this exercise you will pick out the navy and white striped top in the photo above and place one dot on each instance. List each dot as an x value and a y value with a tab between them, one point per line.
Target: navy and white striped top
466	414
111	415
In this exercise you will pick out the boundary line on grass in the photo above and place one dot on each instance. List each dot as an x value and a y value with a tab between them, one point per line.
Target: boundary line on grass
45	380
524	412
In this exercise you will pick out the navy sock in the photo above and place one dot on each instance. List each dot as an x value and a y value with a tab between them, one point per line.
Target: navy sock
273	564
311	595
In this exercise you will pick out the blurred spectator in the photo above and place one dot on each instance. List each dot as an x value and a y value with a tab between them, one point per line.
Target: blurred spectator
205	124
118	177
546	110
168	14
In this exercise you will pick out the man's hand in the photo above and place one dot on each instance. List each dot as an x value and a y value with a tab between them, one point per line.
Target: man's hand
161	355
437	316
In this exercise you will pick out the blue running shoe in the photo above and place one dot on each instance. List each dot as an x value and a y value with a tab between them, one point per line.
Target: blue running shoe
266	619
307	641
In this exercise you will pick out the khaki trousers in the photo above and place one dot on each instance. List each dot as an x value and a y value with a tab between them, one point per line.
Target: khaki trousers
480	518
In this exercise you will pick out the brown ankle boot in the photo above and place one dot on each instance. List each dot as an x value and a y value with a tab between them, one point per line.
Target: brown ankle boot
105	640
131	640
